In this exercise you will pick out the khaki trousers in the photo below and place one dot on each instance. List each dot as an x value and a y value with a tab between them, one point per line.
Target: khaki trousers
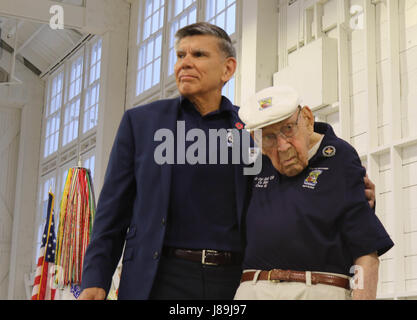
267	290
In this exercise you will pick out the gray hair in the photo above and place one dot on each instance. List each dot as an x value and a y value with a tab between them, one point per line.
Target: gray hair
205	28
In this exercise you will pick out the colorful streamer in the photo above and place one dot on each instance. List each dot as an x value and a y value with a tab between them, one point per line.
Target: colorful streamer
75	223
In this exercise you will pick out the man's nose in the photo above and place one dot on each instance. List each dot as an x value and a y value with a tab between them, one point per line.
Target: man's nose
282	143
185	62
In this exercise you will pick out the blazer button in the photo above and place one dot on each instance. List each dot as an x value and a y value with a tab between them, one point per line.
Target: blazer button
163	222
156	255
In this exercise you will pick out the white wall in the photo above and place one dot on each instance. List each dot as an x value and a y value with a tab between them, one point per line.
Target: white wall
20	126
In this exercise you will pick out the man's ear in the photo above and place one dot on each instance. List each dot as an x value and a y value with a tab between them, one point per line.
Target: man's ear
229	69
308	117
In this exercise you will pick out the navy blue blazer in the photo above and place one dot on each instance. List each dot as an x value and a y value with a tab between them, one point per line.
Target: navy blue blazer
133	203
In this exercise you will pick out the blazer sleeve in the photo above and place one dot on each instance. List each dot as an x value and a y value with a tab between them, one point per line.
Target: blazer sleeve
114	211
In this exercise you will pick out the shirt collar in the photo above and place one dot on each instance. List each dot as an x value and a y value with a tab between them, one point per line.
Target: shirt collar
315	148
225	106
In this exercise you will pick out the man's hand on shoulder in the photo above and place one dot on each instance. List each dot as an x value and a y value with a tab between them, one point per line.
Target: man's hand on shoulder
92	294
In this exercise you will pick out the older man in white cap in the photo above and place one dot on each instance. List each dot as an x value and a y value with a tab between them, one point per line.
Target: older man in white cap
309	225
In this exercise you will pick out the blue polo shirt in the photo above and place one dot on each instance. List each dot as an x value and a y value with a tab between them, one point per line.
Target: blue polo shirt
318	220
202	212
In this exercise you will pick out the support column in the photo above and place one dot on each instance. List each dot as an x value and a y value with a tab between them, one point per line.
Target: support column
112	88
21	252
259	45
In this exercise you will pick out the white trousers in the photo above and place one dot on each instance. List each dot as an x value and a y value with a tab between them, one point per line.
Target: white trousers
268	290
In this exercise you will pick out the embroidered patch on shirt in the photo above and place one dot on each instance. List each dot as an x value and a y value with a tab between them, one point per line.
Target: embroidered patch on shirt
262	182
312	179
329	151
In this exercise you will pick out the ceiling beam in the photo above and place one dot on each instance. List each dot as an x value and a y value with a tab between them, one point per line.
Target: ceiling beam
38	11
28	40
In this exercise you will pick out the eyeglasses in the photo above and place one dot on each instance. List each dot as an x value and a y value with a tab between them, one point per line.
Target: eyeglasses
287	131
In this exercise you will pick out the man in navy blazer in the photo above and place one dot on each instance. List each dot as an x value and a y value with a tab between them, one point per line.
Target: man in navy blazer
180	222
172	215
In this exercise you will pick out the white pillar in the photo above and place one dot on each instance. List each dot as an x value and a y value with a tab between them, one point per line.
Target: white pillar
112	88
259	45
24	212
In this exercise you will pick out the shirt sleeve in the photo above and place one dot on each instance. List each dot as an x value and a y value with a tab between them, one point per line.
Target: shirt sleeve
362	231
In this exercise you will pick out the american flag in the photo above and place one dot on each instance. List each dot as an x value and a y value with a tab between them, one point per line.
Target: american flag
43	283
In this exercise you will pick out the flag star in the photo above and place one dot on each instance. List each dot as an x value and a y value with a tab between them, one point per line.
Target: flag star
44	236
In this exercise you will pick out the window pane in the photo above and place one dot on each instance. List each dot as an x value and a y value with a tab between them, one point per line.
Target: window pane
220	20
89	164
155	22
92	74
220	5
161	18
193	16
178	7
231	19
183	21
158	46
229	90
156	71
210	9
149	52
148	77
71	122
141	57
91	109
147	28
148	11
140	82
188	3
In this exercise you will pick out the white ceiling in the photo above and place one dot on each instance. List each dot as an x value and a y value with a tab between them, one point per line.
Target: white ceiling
38	43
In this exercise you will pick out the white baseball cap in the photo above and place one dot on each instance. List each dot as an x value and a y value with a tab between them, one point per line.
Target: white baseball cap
269	106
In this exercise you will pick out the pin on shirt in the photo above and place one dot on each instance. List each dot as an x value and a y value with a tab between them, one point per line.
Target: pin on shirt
329	151
229	138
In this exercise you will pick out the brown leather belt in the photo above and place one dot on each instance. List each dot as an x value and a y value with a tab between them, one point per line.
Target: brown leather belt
278	275
206	257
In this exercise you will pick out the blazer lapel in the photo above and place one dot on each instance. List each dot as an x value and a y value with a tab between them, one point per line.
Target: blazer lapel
168	120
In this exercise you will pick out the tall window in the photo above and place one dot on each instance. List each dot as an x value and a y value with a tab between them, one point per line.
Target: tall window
72	108
53	114
158	22
70	123
92	88
150	46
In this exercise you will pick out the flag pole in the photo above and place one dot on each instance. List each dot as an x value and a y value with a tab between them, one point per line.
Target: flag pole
47	237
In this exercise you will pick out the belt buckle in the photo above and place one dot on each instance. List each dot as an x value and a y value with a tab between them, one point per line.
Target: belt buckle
272	280
203	257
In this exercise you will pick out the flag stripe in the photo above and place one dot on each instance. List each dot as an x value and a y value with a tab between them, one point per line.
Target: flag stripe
43	284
